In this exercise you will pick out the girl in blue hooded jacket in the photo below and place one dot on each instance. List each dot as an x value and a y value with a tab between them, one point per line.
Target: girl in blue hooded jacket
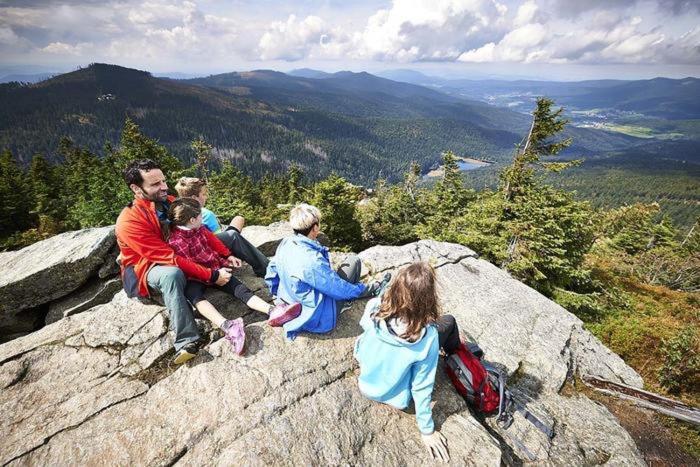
398	350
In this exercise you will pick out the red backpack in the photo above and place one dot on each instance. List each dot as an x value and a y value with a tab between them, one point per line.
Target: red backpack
472	379
484	387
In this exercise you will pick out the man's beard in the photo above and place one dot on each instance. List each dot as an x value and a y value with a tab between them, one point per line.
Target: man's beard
156	198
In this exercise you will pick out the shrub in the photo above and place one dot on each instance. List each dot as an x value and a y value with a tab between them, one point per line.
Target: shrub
681	367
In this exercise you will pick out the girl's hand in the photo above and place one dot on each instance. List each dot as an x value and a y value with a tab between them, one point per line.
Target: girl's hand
437	446
234	262
224	277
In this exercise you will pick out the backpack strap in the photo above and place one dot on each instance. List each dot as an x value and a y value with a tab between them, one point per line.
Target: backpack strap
547	430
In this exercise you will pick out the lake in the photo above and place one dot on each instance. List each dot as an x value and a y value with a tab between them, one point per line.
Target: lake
470	165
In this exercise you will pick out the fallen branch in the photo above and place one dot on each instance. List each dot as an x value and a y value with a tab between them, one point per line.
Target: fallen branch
649	400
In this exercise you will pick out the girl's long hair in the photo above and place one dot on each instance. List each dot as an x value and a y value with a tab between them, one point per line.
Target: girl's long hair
412	298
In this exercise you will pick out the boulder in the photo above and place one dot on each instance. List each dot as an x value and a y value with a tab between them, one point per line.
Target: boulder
110	267
105	375
113	386
267	238
95	292
51	269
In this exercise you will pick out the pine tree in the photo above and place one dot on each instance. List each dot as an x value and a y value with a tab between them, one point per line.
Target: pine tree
273	198
391	216
134	145
452	196
47	187
202	151
233	194
15	197
337	200
294	185
445	203
539	142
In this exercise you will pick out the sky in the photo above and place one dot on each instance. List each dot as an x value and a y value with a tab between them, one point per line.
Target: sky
542	39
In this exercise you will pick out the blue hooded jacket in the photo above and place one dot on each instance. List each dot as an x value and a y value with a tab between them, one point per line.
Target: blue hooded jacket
392	369
301	272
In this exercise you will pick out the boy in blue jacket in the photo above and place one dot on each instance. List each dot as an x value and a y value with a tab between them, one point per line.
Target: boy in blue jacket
301	272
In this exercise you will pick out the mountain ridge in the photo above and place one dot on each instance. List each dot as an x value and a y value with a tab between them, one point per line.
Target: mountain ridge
357	124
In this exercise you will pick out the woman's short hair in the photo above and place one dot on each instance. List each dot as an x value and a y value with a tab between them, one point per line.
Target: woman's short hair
189	186
303	217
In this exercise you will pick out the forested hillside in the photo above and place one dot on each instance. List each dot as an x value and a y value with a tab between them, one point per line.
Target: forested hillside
665	172
356	124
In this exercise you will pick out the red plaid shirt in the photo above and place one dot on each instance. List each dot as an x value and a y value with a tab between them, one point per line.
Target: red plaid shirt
199	245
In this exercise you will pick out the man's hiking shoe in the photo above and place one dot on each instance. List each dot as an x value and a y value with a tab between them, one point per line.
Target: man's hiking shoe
187	353
282	313
384	283
234	332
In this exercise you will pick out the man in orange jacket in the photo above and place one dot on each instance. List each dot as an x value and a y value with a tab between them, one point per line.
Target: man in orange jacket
148	261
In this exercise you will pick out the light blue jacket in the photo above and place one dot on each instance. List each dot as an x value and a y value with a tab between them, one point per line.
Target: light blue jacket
210	221
301	272
392	370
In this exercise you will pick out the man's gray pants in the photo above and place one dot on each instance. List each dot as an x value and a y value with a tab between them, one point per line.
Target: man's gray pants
243	249
349	270
170	281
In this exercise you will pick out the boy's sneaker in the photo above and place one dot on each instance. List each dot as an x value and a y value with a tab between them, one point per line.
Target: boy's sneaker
283	313
234	332
186	353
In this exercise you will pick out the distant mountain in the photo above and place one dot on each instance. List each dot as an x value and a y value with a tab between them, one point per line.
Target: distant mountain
177	75
411	76
658	97
309	73
90	106
26	78
358	94
357	124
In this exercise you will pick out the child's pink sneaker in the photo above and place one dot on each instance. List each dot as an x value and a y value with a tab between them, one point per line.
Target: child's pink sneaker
234	332
282	313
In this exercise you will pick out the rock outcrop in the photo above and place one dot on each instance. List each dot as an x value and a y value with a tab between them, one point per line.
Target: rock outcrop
266	238
98	386
49	270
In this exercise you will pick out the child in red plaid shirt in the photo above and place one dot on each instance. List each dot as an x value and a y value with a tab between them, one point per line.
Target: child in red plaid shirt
188	239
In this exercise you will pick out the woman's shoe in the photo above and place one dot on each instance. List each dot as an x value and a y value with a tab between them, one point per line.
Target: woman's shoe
234	332
283	313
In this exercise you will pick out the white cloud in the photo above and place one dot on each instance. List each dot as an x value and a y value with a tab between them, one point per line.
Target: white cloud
8	36
165	33
527	13
601	37
294	39
61	48
429	29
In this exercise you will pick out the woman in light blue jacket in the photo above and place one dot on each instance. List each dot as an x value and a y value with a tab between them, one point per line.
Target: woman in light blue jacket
301	272
398	351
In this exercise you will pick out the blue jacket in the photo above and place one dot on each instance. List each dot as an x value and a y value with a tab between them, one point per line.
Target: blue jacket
301	272
210	221
392	370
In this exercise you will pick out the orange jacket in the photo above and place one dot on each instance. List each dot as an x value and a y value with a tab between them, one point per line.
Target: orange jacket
141	243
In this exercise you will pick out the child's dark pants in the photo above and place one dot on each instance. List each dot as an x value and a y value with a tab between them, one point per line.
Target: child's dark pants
194	291
448	333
